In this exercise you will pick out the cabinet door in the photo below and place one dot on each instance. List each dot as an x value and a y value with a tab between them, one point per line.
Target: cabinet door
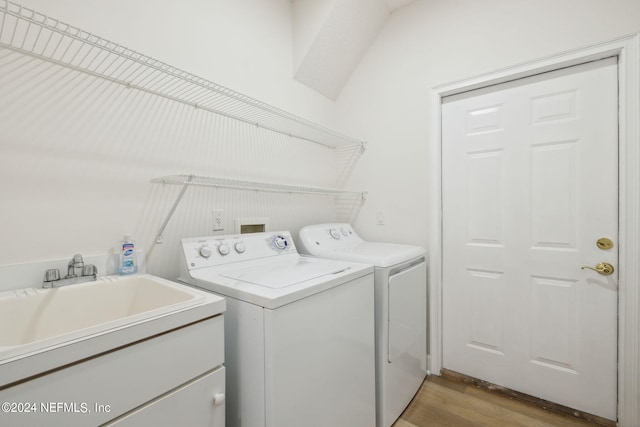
198	403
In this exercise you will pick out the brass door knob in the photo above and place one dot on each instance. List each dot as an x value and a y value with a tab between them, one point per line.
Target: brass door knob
603	268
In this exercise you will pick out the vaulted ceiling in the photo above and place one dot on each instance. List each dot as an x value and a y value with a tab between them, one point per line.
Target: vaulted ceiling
331	36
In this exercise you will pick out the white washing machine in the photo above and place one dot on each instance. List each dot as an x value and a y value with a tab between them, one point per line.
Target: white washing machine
299	331
401	309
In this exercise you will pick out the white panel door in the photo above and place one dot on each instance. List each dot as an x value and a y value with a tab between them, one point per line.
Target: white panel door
530	183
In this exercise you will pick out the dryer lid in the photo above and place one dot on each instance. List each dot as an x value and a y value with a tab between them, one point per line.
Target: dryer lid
378	254
340	241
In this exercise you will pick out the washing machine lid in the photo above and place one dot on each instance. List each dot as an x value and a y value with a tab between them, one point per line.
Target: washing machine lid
282	275
378	254
272	283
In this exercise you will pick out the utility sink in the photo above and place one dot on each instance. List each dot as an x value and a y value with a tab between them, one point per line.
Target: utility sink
35	320
37	314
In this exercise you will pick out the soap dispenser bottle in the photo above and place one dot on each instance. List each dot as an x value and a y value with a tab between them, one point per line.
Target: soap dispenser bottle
128	262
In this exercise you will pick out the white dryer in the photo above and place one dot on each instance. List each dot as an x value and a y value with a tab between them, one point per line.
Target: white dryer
299	334
401	309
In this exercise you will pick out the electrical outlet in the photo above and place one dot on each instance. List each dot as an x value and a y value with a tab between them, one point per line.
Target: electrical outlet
217	220
379	218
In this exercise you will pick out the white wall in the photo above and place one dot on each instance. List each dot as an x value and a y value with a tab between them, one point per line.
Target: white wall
333	40
77	153
242	44
308	18
432	42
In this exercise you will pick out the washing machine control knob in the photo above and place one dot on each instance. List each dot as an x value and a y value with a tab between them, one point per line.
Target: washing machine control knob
280	242
223	249
240	247
334	233
204	251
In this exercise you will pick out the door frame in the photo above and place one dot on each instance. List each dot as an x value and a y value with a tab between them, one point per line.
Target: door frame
627	49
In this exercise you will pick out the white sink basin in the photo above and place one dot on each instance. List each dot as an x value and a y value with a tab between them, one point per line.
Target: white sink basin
34	319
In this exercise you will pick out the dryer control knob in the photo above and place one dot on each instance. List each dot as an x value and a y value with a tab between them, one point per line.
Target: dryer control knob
240	247
205	251
334	233
223	249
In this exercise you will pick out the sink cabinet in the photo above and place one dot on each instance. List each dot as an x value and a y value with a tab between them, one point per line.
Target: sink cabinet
171	378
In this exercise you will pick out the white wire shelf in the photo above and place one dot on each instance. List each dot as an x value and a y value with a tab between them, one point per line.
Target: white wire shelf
240	184
31	33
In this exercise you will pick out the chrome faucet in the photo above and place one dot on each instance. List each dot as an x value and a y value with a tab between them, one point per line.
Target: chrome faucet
76	262
88	273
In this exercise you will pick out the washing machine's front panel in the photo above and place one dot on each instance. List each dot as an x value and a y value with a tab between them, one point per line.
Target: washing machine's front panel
320	353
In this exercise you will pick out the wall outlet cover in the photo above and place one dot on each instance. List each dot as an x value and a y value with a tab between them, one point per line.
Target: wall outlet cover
218	223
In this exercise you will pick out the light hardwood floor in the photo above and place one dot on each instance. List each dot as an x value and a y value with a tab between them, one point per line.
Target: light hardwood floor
447	402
